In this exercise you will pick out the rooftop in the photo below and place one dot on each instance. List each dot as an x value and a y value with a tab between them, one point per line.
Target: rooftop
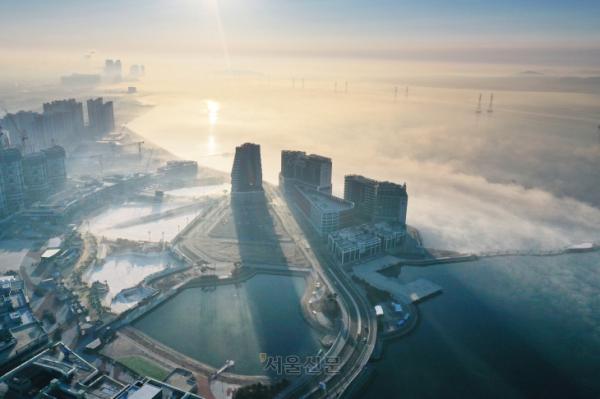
366	233
43	368
324	201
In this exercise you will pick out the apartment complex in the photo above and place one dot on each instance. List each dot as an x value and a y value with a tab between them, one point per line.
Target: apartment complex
30	178
101	118
313	171
11	169
61	122
376	200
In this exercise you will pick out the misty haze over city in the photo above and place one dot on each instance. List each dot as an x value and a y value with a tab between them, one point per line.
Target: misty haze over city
438	237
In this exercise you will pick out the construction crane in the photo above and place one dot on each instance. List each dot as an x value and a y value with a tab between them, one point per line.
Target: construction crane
22	133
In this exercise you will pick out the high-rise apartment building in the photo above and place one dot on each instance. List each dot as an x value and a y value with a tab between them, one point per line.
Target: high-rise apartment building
362	192
113	70
392	203
3	210
311	170
62	121
12	177
35	177
376	201
55	166
246	174
101	118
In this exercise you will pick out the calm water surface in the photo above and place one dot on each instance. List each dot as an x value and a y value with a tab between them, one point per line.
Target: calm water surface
235	322
503	328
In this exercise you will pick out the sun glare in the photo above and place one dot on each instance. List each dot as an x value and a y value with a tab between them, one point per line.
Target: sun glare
213	108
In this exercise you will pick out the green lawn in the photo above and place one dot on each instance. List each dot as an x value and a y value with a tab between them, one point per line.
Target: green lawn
144	367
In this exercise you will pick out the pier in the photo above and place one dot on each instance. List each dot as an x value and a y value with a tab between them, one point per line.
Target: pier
228	364
412	292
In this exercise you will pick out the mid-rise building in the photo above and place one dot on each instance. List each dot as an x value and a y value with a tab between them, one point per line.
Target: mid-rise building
376	200
312	170
35	177
101	118
246	173
55	166
324	212
12	177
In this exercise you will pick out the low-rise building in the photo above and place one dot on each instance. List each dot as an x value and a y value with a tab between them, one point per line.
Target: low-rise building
360	242
58	373
184	168
20	332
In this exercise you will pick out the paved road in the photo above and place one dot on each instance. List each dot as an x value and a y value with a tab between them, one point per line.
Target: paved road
356	341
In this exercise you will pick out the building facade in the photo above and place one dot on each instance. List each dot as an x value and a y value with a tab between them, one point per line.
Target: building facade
35	177
246	173
12	177
362	192
3	210
360	242
113	70
55	167
313	171
376	200
63	120
101	117
60	123
324	212
391	203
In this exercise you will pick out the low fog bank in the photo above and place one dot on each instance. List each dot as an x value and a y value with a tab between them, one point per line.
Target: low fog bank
523	176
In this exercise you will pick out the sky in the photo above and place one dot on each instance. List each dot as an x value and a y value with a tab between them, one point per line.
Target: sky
509	31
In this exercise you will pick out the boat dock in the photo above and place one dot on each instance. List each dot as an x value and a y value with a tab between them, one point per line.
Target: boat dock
414	291
419	289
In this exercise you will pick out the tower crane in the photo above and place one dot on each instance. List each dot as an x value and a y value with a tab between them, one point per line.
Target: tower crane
22	133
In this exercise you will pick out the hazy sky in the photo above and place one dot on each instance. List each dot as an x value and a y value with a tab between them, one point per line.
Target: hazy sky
508	31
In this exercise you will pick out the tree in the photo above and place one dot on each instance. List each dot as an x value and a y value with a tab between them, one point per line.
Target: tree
260	390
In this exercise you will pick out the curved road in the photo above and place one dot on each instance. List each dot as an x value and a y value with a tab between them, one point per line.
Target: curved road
356	341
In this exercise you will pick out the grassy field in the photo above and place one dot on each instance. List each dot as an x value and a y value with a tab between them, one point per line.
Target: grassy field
144	367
